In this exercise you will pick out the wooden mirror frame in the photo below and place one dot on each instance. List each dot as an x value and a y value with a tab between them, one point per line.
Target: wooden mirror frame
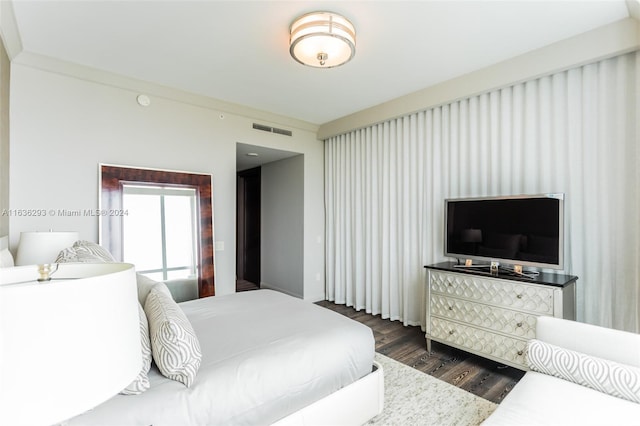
112	179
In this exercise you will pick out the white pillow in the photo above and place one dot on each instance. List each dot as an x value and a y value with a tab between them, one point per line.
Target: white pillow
175	346
610	377
85	252
145	284
141	383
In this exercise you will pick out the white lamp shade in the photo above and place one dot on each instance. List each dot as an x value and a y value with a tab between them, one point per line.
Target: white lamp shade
66	345
42	247
322	40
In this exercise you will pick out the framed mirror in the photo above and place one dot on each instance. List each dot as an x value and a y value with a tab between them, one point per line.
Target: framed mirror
162	222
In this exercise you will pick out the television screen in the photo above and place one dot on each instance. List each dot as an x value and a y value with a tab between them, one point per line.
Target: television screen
522	230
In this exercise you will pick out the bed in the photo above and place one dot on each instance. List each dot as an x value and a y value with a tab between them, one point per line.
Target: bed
263	358
266	358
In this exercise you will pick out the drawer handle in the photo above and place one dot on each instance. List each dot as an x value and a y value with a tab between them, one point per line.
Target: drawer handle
451	331
519	296
520	353
519	324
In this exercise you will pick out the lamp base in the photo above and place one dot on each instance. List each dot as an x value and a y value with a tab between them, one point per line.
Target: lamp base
46	270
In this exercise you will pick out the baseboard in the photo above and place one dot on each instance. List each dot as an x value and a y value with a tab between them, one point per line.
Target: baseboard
280	289
314	298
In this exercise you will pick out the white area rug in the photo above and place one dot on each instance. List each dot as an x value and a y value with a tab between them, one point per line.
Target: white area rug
412	397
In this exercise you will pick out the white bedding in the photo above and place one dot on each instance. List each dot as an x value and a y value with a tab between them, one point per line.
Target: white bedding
265	355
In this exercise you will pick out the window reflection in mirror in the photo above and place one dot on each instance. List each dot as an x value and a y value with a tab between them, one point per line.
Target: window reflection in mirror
160	231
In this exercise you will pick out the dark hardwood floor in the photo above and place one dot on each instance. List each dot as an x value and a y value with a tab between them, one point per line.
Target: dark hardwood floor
480	376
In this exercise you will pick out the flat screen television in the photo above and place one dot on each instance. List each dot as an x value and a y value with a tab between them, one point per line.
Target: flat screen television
524	230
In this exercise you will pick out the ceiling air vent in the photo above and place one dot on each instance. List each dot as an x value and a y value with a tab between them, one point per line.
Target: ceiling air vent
272	129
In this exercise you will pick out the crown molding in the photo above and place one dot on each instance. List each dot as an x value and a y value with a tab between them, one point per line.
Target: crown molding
9	30
634	9
107	78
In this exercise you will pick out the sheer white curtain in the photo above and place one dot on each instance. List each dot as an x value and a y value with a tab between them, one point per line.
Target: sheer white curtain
573	132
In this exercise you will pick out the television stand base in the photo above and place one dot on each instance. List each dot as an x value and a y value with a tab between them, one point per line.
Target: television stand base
519	272
468	264
494	268
477	265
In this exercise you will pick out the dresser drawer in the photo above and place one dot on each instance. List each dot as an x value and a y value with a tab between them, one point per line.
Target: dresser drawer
479	341
511	294
518	324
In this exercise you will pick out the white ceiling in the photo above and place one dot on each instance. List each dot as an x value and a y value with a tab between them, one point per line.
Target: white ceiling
237	51
250	156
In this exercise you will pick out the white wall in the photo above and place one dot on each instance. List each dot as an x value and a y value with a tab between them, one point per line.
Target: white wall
62	126
282	225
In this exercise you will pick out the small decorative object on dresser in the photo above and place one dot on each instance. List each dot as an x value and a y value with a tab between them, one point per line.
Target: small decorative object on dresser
493	315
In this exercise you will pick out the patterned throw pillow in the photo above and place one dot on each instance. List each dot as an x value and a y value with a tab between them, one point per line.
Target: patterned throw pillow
141	383
176	349
84	252
610	377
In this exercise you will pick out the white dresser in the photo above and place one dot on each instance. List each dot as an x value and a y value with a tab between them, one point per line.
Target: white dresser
493	315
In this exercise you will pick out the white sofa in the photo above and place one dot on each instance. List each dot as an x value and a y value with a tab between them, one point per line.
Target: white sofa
583	353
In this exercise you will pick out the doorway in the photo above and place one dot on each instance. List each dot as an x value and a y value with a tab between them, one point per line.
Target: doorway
269	217
248	199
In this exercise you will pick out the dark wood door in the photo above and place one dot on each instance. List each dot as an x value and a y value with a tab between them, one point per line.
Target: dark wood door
248	225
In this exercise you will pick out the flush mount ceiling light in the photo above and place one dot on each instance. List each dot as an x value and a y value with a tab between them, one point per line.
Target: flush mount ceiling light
322	40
